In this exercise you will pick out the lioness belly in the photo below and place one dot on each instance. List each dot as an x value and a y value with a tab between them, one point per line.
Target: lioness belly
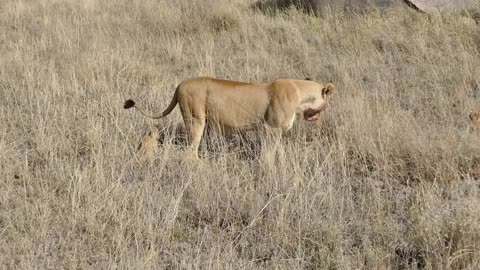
231	119
237	108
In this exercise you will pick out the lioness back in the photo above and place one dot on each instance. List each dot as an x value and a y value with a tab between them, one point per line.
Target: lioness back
229	103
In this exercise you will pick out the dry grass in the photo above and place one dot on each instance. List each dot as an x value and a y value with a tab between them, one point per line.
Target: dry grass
389	176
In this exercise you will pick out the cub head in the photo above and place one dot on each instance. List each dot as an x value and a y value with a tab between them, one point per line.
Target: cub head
315	105
148	146
475	119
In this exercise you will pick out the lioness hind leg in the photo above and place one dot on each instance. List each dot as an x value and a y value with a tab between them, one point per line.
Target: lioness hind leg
194	119
195	132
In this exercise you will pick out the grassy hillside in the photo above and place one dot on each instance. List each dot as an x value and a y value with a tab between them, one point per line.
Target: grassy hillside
390	175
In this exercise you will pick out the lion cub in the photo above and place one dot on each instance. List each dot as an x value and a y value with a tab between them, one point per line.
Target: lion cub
174	133
474	120
149	146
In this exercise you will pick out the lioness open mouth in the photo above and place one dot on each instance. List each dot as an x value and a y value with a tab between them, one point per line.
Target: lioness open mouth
311	114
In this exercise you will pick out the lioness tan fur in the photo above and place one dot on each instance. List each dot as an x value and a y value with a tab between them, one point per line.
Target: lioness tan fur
229	105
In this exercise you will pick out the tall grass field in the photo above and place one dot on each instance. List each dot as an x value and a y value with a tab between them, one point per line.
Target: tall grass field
388	178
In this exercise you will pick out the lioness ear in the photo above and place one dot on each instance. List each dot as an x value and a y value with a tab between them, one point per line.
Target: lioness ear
308	79
328	90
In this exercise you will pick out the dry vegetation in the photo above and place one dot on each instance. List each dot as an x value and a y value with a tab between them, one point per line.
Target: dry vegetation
389	178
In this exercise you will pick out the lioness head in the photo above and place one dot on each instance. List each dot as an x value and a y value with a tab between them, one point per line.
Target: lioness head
475	119
313	108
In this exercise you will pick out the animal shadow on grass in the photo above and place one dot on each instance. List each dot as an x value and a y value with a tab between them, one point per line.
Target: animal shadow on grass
408	258
245	145
267	6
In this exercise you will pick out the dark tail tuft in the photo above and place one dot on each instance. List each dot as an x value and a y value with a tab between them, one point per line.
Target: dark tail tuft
129	104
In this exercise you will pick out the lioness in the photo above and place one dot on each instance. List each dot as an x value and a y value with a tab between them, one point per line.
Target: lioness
229	105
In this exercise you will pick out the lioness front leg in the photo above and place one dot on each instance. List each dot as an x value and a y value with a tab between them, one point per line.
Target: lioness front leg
271	142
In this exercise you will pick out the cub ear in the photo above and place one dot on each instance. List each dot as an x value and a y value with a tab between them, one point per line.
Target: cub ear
328	90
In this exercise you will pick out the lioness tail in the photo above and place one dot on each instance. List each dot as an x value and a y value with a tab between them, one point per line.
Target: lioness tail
130	104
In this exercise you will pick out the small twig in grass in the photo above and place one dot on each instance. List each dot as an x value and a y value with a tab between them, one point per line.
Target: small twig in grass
253	220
